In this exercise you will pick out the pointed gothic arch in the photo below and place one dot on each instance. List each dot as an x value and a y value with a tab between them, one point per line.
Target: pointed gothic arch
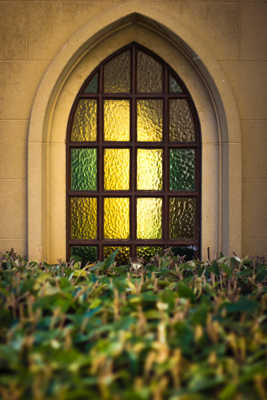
221	198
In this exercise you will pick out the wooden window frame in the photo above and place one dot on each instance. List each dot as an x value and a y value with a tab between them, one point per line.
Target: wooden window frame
133	145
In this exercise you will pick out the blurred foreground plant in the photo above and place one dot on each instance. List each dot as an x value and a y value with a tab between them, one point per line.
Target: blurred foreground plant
169	329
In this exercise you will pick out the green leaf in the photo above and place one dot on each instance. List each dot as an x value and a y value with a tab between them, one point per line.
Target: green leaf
242	305
184	337
228	392
149	297
188	396
249	371
185	291
169	297
125	323
198	315
202	382
110	260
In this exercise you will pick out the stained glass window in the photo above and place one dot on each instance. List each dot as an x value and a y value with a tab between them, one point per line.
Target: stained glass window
133	162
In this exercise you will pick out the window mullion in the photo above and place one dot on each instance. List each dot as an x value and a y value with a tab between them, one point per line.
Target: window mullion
165	212
100	164
133	153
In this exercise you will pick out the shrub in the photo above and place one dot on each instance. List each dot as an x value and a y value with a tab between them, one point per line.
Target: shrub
166	330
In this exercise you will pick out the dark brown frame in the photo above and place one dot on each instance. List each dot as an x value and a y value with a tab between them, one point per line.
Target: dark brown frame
100	145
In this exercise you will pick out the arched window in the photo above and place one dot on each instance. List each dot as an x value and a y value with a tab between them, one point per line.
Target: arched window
133	161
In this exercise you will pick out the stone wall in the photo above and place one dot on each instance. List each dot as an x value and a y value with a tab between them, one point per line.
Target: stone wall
32	33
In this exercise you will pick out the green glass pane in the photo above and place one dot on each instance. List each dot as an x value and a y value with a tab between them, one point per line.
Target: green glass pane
122	257
182	169
116	169
149	120
116	120
174	86
149	74
181	124
116	218
147	252
87	254
83	169
182	218
83	212
149	215
84	128
149	169
189	252
117	74
92	86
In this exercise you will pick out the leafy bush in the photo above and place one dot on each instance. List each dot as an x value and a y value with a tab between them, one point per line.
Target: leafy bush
167	330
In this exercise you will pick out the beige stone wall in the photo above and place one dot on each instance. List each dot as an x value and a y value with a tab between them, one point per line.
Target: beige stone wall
31	34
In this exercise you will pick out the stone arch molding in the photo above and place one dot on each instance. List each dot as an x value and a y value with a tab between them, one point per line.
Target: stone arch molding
164	34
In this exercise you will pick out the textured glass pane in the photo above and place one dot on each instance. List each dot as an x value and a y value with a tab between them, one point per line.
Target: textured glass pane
117	74
84	122
116	169
116	218
92	86
149	120
181	128
83	217
174	86
149	169
147	252
116	120
149	211
87	254
182	169
189	252
149	74
83	169
182	218
122	256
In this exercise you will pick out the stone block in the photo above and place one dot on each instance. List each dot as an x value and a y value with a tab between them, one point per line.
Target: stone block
13	36
249	83
51	23
18	83
13	149
19	245
254	208
231	197
218	22
254	145
253	30
255	246
13	209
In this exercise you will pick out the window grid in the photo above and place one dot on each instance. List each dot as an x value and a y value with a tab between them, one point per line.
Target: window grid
134	145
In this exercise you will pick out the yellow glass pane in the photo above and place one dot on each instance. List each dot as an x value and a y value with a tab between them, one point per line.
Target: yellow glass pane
116	218
149	224
117	120
122	256
116	169
149	120
83	217
84	128
149	169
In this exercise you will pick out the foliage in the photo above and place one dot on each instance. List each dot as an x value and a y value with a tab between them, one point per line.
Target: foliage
167	330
